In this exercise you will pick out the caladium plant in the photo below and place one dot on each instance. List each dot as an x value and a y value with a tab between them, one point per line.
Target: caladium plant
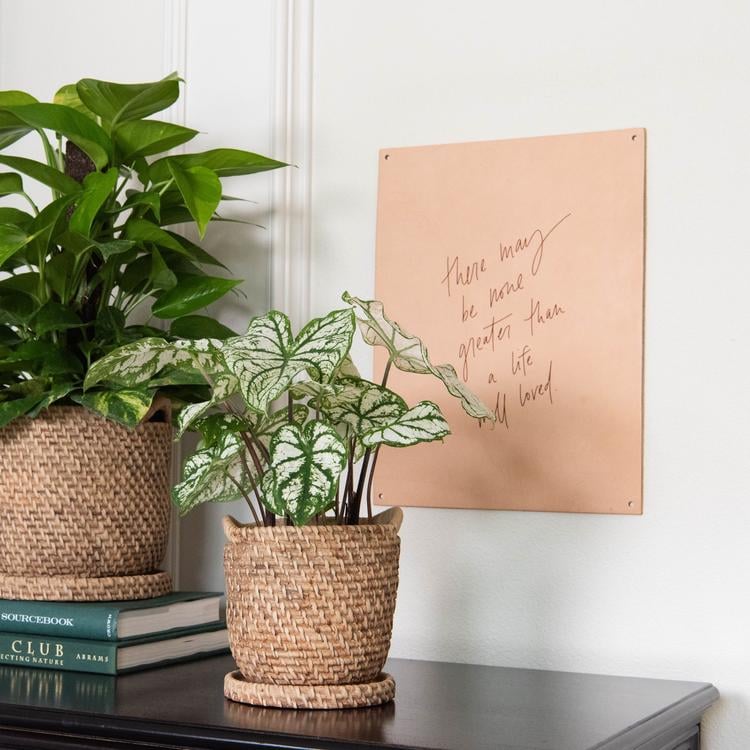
290	425
73	271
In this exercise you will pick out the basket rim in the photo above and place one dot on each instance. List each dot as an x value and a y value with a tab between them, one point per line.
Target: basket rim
389	521
77	411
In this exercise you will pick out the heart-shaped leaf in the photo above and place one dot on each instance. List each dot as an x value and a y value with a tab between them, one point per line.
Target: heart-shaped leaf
216	474
10	183
119	102
76	127
199	327
97	188
9	410
42	173
226	162
266	358
54	316
363	406
192	293
139	138
11	128
421	424
200	189
134	364
305	467
408	353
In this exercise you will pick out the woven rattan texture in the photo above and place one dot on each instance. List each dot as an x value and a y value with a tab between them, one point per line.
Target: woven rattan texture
73	589
82	496
381	690
311	605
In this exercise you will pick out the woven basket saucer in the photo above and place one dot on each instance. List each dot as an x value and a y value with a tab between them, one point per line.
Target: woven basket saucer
76	589
237	688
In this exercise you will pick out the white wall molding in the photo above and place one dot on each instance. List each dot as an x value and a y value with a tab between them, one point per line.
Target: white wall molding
292	142
175	59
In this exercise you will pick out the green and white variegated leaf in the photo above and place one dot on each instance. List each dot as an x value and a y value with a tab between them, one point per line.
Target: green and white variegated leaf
408	353
313	389
421	424
305	468
265	426
347	368
55	393
128	406
213	474
266	359
470	402
215	427
225	385
362	406
136	363
189	414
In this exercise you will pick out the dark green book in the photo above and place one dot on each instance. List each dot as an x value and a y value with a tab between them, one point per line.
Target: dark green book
105	657
110	621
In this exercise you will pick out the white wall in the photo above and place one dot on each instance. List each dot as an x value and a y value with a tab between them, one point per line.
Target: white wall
665	594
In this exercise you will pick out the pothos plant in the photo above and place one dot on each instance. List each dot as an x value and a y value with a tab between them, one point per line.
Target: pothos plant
315	452
74	270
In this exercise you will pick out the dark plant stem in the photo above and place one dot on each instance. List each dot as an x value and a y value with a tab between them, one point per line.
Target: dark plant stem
290	408
352	516
269	519
369	482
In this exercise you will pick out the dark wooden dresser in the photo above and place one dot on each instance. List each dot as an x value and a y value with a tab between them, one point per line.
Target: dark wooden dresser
438	706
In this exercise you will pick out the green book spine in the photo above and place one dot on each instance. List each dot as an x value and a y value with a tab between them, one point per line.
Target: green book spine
96	622
24	650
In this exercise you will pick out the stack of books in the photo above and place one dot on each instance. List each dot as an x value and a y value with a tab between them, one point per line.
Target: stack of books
111	637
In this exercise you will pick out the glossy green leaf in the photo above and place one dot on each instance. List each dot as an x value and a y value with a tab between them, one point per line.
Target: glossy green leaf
47	225
11	128
141	230
10	410
200	189
305	467
195	252
113	247
15	216
76	127
226	162
161	277
16	308
26	283
199	327
42	173
68	96
127	406
148	198
98	187
12	239
58	272
119	102
148	137
55	393
54	316
191	293
10	183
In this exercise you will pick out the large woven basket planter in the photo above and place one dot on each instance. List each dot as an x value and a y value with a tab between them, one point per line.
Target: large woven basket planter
84	507
310	612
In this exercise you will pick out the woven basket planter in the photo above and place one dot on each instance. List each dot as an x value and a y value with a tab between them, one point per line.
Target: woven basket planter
310	611
84	503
